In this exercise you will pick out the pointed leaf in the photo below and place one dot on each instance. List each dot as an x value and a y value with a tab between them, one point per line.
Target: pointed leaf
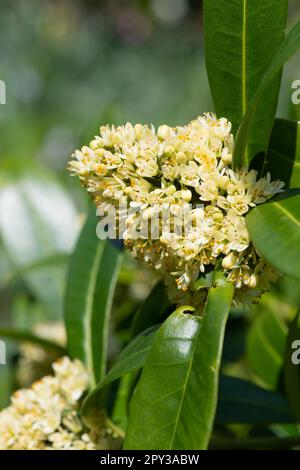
174	404
241	37
288	48
239	401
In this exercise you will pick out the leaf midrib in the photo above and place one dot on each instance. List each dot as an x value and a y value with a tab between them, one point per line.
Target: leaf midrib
244	61
244	55
191	360
88	312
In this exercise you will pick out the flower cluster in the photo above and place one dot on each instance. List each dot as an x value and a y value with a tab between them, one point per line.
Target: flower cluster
187	172
45	416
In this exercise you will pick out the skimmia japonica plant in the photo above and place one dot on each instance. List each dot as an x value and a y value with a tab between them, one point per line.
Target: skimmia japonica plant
213	207
219	176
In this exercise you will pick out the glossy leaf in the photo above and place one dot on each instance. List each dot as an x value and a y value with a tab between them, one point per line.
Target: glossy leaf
266	346
288	48
292	367
38	221
174	404
241	36
91	283
274	229
239	401
242	402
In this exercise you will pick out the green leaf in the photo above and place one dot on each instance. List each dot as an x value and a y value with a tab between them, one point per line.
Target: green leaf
38	221
274	229
283	157
266	346
288	48
27	337
239	401
241	37
91	283
131	359
242	402
174	404
152	310
292	367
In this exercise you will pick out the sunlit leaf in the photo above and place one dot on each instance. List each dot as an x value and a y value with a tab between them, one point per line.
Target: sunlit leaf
174	404
241	36
274	229
288	48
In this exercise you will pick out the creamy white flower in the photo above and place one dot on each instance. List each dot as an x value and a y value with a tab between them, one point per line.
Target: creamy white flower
163	171
46	416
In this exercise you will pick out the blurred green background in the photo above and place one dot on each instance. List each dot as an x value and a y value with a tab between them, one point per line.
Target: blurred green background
70	66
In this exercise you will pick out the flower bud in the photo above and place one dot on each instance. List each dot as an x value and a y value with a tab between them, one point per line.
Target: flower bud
184	194
96	143
181	158
164	132
138	129
253	280
229	261
170	190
